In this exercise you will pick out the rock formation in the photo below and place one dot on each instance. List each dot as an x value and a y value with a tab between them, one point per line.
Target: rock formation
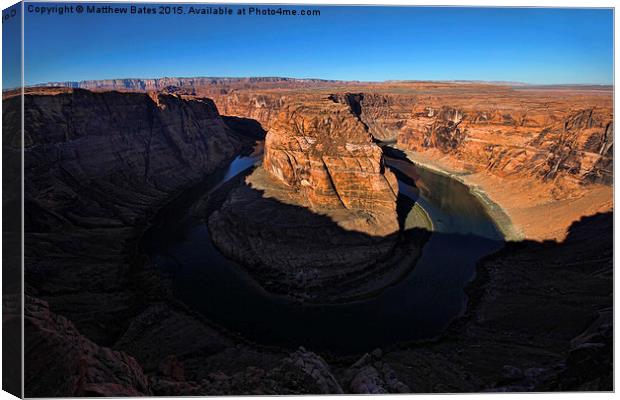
381	114
559	133
97	165
549	149
80	367
325	155
371	375
545	146
318	219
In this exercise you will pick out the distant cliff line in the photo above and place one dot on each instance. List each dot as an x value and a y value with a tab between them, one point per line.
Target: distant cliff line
154	84
139	84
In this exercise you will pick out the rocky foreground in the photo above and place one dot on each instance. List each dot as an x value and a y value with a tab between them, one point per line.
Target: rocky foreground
99	164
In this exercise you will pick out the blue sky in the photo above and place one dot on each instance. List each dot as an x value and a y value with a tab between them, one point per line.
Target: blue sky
538	45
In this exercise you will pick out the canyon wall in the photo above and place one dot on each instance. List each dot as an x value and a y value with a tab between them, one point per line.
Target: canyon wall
97	166
552	133
322	152
575	143
543	154
547	135
101	160
317	220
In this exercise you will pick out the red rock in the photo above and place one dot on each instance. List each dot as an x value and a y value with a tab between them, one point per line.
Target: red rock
80	367
322	152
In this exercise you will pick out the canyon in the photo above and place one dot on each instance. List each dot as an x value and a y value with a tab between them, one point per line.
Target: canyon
533	149
101	158
319	157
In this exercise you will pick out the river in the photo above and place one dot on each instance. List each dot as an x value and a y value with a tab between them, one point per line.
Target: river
417	307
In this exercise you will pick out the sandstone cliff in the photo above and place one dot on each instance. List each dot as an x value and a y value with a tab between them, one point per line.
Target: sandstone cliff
382	115
326	156
97	165
535	151
572	145
555	133
317	221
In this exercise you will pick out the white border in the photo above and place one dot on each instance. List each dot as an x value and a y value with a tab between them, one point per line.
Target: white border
483	3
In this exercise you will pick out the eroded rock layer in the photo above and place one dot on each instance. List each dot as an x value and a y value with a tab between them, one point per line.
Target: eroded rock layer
547	133
558	134
317	221
533	150
574	145
326	157
97	165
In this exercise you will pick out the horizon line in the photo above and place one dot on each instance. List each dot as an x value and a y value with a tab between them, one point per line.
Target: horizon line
505	82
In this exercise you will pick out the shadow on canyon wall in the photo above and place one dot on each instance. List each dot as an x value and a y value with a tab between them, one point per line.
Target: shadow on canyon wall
98	311
555	295
294	251
404	203
245	126
11	249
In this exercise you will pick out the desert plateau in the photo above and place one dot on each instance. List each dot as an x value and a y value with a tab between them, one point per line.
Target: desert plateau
218	236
